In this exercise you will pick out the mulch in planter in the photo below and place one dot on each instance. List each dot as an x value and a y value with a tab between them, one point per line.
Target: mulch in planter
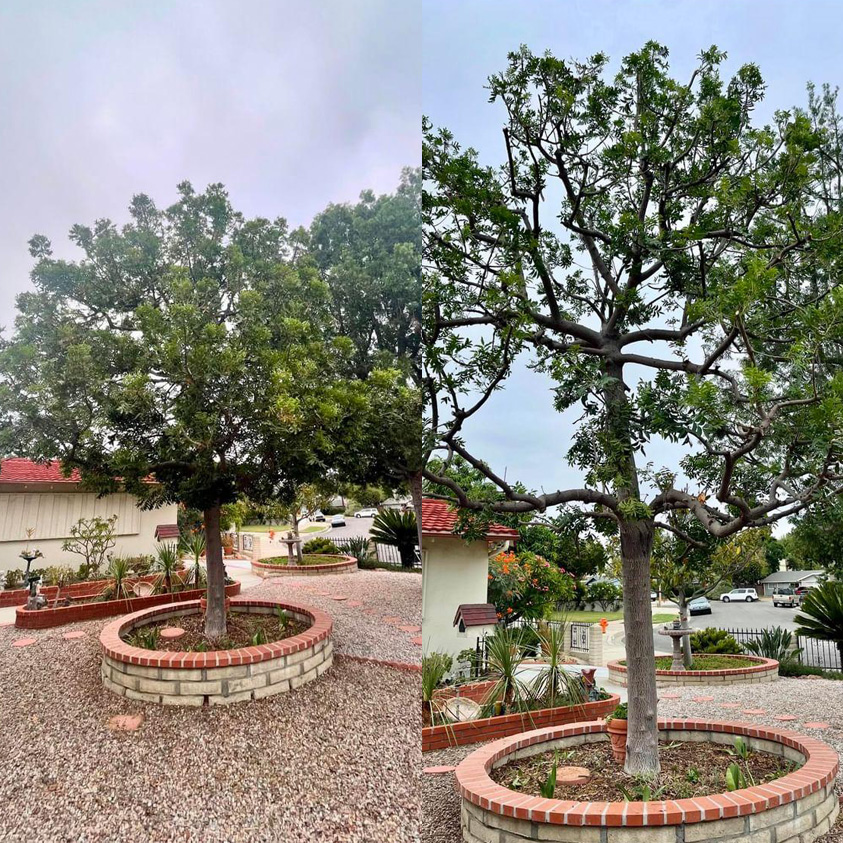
241	628
688	770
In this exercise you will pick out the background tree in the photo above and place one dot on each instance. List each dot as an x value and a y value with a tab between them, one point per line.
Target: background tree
191	345
307	498
672	269
816	540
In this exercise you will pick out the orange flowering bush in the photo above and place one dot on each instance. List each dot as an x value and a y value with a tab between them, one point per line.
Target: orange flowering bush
524	585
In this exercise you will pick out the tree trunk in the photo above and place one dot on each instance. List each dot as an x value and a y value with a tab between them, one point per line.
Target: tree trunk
215	612
687	657
416	492
642	753
296	520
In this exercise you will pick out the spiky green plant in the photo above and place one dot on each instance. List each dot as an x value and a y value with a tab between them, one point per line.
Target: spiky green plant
821	615
194	545
553	685
775	644
397	529
166	564
119	569
435	667
504	655
358	546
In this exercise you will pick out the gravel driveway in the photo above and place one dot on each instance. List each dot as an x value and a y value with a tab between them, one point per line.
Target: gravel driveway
337	760
817	700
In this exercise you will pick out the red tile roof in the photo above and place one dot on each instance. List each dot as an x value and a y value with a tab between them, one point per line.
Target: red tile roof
476	614
19	470
438	519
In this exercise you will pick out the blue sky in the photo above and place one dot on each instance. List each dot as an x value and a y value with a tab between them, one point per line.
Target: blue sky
465	41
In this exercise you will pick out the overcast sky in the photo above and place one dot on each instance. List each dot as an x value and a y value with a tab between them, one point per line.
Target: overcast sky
467	41
290	104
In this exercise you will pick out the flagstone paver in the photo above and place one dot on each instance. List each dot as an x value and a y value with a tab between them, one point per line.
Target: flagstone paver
77	633
126	722
754	711
439	769
784	718
24	642
816	725
410	628
703	699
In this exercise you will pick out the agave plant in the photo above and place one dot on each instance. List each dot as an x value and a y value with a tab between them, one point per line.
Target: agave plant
119	570
504	655
822	614
554	685
166	564
775	644
358	546
195	547
397	529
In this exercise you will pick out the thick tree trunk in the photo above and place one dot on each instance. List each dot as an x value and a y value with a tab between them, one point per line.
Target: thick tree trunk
215	612
642	753
416	492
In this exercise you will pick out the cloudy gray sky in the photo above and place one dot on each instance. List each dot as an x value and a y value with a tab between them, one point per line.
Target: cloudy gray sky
466	41
290	104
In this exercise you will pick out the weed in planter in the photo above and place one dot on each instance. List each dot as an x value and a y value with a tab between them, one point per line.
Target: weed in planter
735	779
693	775
741	751
642	791
549	786
147	637
259	638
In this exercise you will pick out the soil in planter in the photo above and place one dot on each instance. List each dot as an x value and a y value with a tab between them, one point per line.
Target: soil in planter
708	662
241	631
688	770
307	559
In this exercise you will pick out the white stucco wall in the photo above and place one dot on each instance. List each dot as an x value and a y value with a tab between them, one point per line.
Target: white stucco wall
453	573
51	514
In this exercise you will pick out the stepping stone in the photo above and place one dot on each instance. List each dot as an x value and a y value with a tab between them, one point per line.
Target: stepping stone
417	640
669	697
816	725
703	699
730	705
354	603
437	771
171	633
125	722
572	775
323	593
410	628
69	636
784	718
23	642
391	619
754	711
339	597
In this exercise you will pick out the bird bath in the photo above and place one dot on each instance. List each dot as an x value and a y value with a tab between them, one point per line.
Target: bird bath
293	547
677	633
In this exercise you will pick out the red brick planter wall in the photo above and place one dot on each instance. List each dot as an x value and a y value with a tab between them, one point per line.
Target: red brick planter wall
477	691
60	615
218	676
343	565
89	588
767	671
800	806
489	728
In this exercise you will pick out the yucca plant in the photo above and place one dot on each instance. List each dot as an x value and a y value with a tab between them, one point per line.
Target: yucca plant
166	564
119	570
775	644
397	529
504	655
435	667
358	546
821	615
195	546
554	685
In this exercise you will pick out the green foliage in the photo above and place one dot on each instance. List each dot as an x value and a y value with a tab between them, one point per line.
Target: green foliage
92	539
14	578
553	685
816	540
548	786
735	779
358	546
320	545
621	712
167	562
643	791
569	544
435	667
798	669
398	529
606	594
776	643
504	655
193	544
119	571
526	586
714	641
147	637
821	613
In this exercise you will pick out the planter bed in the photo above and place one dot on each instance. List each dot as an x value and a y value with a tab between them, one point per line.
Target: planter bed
757	669
60	615
799	806
217	676
342	565
490	728
87	588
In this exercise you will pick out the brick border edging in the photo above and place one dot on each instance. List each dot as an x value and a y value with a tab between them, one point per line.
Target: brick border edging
766	671
476	787
61	615
505	725
348	565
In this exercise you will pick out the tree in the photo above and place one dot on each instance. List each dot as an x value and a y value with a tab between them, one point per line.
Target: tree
307	498
92	539
672	269
816	540
191	345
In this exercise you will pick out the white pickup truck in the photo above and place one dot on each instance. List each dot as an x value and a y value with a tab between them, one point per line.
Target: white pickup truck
786	597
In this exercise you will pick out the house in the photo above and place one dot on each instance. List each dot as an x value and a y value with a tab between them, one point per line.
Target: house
38	497
455	579
789	579
399	504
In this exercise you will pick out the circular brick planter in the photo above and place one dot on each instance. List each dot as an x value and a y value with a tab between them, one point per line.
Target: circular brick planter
766	671
343	565
800	806
215	677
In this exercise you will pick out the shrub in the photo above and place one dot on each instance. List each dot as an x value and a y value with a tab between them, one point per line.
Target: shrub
320	545
795	668
821	615
526	586
621	712
14	578
140	565
92	538
397	529
606	594
775	644
711	640
358	546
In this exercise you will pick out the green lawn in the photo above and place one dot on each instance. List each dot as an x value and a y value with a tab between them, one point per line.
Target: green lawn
594	617
280	528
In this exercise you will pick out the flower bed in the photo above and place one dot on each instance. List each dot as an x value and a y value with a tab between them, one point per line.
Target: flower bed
800	806
489	728
757	669
75	591
60	615
217	676
342	565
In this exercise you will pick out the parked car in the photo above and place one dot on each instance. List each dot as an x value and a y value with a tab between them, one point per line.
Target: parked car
369	512
802	590
786	597
699	606
338	521
653	596
748	595
317	516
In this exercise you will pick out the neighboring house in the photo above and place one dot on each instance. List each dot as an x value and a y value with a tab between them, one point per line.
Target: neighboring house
455	580
400	504
38	496
789	579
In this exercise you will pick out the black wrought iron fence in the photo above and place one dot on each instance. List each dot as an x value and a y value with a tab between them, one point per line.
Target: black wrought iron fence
814	651
386	554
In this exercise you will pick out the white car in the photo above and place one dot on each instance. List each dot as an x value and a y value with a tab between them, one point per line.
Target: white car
748	595
699	606
338	521
366	513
